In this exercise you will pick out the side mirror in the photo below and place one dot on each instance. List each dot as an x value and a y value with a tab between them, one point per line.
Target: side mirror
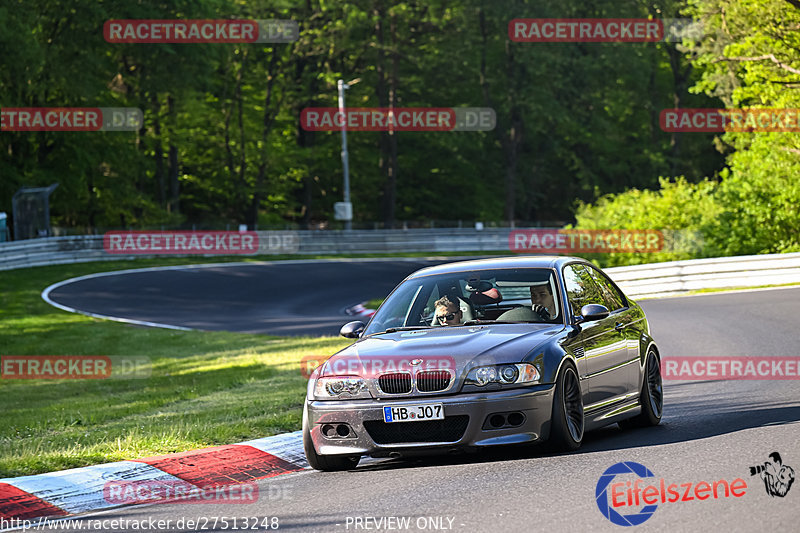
592	312
353	330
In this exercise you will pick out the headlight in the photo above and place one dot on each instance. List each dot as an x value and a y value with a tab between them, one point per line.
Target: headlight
345	387
503	374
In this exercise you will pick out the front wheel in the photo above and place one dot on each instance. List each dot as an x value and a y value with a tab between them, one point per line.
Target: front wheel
567	419
651	398
326	463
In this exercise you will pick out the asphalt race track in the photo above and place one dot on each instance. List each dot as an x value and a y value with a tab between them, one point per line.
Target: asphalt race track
711	430
301	298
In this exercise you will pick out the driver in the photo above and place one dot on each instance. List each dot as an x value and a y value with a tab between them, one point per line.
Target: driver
542	302
448	313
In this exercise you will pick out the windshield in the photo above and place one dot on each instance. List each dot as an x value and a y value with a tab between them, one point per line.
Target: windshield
518	295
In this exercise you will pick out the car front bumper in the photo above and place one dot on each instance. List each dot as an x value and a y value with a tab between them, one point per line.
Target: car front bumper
534	402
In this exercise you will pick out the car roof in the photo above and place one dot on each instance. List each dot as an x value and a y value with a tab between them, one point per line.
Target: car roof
539	261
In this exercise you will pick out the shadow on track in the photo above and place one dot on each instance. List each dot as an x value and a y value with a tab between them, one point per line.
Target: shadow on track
696	417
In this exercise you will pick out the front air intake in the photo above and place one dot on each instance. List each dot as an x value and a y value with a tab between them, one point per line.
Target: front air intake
395	383
433	380
451	429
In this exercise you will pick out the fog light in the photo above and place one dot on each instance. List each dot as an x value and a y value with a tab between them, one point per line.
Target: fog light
516	419
497	421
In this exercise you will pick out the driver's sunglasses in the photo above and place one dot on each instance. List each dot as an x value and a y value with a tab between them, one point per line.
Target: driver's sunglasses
445	318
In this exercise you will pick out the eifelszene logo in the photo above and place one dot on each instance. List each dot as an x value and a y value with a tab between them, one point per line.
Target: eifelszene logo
778	477
601	494
630	491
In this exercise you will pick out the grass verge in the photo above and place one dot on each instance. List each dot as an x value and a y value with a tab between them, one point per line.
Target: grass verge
206	388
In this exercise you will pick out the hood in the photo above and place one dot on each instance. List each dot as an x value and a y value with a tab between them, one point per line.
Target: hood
459	347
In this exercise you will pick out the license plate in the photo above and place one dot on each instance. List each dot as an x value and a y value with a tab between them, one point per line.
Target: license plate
413	413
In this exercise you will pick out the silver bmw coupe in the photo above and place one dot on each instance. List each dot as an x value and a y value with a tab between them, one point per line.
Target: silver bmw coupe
485	353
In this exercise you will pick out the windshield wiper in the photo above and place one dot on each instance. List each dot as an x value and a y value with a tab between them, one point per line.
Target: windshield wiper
479	322
405	328
475	322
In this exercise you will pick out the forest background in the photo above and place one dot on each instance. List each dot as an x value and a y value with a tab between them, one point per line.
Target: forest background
577	139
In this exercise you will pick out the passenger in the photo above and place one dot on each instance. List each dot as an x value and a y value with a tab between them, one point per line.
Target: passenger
542	302
448	313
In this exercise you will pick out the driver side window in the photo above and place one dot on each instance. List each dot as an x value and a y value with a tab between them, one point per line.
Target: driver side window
581	288
613	299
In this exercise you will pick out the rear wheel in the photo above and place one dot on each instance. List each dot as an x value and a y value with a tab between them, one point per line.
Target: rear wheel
567	420
326	463
652	396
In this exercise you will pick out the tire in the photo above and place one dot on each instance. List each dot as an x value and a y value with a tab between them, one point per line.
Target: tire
651	397
567	424
326	463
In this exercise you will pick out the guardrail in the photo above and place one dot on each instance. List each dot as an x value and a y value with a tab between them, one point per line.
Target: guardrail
677	277
52	251
77	249
658	279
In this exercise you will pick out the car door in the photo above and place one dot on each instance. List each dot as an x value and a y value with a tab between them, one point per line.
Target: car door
625	319
605	352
